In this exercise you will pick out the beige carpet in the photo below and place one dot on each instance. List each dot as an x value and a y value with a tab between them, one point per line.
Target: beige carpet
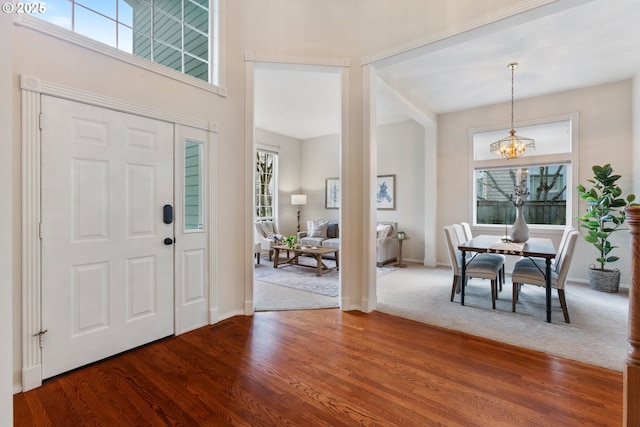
597	333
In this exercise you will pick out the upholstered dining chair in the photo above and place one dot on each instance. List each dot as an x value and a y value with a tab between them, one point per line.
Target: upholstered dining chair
482	268
528	271
541	261
468	235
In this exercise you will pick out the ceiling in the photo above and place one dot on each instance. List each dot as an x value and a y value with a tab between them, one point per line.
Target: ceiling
580	44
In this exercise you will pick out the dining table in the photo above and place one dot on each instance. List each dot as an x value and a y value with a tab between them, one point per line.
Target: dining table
534	247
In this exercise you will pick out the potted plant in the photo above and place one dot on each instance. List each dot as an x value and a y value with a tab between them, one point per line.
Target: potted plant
290	241
605	215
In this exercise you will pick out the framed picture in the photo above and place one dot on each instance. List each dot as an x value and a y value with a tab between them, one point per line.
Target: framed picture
386	192
332	193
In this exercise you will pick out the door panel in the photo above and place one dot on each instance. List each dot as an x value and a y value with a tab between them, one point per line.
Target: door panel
107	276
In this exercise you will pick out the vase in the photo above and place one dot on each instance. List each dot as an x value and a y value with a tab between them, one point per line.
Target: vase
519	230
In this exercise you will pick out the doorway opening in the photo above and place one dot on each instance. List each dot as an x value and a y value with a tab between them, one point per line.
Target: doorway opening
297	168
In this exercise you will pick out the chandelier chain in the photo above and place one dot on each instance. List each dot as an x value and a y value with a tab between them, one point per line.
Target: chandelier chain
512	66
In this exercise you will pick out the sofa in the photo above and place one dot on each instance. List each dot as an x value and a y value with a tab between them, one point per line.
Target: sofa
324	233
327	233
386	242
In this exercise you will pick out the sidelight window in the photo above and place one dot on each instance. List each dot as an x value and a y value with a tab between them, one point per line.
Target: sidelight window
193	185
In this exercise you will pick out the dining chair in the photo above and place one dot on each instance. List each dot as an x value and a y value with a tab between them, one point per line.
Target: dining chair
541	261
481	268
468	235
528	271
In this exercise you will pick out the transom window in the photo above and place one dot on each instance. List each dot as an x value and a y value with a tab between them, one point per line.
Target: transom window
546	171
173	33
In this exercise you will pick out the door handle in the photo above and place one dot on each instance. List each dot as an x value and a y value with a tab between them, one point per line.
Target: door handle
168	241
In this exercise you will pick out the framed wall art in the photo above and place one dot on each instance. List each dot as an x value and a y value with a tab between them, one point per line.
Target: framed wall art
386	192
332	193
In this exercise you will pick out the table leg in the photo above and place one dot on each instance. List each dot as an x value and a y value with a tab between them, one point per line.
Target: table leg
399	264
463	277
319	267
276	256
548	283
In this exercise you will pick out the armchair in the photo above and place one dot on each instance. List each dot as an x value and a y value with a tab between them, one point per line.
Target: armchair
268	236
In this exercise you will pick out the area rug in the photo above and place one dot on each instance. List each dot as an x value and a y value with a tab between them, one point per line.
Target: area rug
270	297
597	334
301	278
306	279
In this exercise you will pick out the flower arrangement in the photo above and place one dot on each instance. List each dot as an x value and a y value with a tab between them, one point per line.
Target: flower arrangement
521	191
290	241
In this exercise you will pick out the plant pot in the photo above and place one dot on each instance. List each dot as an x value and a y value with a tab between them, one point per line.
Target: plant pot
604	280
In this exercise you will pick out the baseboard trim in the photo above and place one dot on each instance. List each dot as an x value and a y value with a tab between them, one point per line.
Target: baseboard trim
17	388
32	377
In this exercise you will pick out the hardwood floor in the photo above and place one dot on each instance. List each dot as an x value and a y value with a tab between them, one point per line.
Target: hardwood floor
327	367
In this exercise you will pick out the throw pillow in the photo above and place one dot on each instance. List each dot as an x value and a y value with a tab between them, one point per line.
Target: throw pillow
318	229
267	227
333	231
383	230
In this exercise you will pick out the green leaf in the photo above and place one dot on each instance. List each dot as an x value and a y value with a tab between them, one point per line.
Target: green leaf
631	198
591	239
612	259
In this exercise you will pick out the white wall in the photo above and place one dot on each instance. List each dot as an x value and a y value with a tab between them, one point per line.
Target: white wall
320	160
401	152
604	137
7	191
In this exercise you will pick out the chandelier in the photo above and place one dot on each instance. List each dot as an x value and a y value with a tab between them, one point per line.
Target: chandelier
513	145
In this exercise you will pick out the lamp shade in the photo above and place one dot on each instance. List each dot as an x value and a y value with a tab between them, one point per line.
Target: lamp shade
298	199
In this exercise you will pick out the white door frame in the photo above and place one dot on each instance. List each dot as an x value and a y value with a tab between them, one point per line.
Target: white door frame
31	90
342	65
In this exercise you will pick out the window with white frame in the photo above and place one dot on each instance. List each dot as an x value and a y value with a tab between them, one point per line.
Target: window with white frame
266	188
193	185
179	34
547	172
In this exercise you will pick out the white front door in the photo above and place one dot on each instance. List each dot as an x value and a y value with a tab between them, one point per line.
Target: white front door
107	272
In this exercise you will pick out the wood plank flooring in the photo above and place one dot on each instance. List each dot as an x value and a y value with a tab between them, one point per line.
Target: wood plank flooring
327	368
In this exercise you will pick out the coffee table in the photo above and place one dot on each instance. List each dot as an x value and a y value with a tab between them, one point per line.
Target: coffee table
313	251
